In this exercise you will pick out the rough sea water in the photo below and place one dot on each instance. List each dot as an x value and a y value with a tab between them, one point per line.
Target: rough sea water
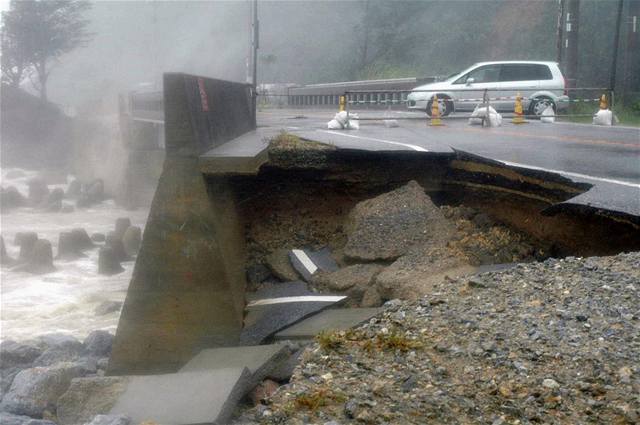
64	300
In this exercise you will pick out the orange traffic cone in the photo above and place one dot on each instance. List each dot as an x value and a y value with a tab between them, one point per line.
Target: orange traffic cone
343	101
603	102
518	118
435	113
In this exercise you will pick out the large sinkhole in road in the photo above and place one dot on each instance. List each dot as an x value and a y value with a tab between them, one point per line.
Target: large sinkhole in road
483	215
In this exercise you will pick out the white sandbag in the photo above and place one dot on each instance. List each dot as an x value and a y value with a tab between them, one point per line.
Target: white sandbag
342	118
353	124
334	125
603	117
548	115
480	112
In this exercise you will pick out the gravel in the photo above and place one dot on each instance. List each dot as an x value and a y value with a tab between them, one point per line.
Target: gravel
556	342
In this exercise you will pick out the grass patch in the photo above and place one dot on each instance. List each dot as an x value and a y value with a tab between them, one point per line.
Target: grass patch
330	340
396	342
629	116
318	398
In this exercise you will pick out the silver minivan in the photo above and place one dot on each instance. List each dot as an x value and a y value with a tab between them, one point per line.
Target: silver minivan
540	83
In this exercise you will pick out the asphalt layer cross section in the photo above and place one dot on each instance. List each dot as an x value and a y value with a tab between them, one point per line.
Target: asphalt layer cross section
608	158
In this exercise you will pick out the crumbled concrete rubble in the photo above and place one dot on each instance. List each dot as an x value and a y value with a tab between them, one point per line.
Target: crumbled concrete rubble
550	342
394	245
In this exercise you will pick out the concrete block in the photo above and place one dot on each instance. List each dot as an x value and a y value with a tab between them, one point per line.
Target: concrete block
260	360
307	262
199	397
274	308
335	319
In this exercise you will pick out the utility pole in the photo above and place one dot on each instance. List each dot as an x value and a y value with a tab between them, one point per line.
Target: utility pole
255	45
616	42
571	43
560	31
631	57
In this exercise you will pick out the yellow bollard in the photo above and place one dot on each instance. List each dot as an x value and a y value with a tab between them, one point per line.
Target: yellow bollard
603	102
518	118
435	113
342	103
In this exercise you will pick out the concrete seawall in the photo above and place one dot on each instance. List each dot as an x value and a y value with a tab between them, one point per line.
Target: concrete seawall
187	289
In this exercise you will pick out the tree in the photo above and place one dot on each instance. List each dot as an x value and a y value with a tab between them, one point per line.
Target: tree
36	33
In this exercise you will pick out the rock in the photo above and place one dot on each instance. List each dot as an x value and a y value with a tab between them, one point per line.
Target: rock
131	240
110	420
416	273
550	383
17	354
257	273
38	191
107	307
36	389
81	238
5	259
98	343
108	262
40	258
361	275
53	202
54	356
122	224
91	193
98	237
10	198
67	247
371	298
386	227
66	208
74	189
88	397
280	265
115	243
263	391
26	241
59	341
10	419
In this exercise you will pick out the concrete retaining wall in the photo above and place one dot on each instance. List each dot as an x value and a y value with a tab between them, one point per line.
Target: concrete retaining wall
187	289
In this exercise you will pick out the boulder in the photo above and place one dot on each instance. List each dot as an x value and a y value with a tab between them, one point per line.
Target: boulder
91	193
67	247
16	354
38	191
108	262
53	356
389	225
361	275
26	241
11	198
60	341
11	419
82	238
98	237
371	298
53	202
122	224
107	307
5	259
40	259
280	265
131	240
115	243
74	188
88	397
6	379
415	274
110	420
98	343
36	389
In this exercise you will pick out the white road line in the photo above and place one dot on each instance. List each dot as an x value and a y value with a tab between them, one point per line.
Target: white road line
305	260
300	299
406	145
577	175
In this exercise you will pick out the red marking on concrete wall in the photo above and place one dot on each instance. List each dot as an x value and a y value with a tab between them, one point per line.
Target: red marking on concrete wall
203	96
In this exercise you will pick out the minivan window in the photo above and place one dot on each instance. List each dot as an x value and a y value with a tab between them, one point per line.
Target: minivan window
525	72
483	74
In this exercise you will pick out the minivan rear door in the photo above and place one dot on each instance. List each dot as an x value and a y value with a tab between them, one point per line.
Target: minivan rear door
523	78
484	76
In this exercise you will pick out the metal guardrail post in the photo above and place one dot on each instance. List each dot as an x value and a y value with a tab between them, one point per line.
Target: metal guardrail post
613	115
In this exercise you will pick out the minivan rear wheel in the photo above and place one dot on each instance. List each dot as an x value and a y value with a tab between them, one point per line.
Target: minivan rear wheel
444	103
539	104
